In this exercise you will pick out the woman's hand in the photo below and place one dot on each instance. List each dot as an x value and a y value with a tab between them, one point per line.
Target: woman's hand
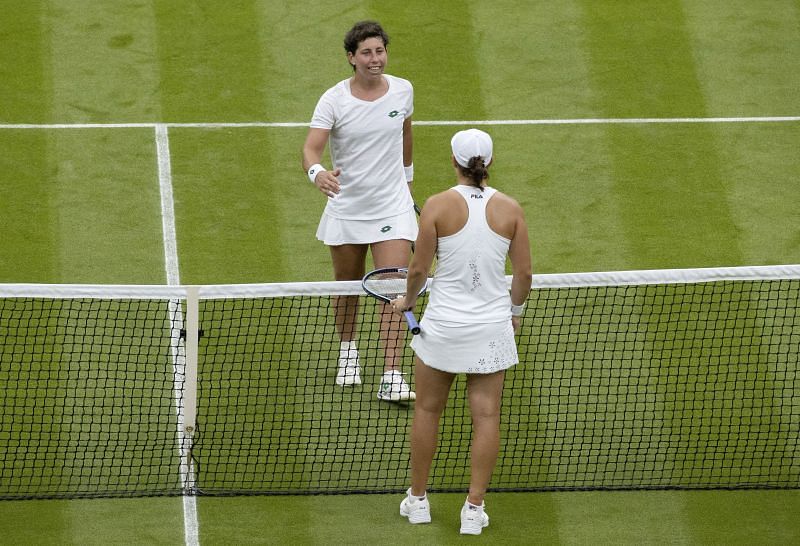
328	182
399	305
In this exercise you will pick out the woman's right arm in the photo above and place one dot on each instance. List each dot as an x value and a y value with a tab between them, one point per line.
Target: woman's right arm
422	259
519	252
314	146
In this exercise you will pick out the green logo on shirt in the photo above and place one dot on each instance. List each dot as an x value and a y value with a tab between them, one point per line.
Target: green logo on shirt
394	113
384	229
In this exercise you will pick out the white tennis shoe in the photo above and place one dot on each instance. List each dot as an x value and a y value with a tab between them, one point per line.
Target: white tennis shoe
393	388
349	372
415	509
473	519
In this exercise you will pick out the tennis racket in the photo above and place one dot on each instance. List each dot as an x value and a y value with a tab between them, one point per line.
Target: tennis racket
413	244
387	284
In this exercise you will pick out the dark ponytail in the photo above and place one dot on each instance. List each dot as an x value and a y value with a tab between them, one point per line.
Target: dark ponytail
475	171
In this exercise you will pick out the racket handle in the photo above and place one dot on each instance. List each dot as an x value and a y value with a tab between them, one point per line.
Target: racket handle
413	325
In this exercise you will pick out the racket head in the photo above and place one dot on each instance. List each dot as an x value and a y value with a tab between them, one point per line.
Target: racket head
386	283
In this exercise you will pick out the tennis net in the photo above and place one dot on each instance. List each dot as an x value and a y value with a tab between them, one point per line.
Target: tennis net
627	380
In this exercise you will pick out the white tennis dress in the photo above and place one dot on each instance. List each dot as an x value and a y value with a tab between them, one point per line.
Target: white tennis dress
366	143
466	327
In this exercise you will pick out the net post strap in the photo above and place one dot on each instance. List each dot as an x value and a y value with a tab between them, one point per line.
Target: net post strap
192	336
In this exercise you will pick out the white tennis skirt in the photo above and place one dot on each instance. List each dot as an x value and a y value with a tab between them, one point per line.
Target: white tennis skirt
337	231
468	348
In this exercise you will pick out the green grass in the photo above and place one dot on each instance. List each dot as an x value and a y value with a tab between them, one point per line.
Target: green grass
80	206
72	218
698	517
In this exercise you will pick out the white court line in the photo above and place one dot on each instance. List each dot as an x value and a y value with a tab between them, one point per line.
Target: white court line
190	522
577	121
167	205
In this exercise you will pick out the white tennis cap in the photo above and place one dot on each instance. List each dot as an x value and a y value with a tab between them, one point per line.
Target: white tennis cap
471	143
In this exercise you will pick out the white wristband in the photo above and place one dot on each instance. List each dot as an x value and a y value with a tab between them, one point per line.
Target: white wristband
409	172
517	310
315	169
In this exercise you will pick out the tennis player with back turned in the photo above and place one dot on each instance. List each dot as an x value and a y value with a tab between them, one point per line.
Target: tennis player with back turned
469	323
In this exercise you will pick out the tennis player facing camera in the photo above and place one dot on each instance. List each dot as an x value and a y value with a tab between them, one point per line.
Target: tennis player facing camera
367	121
469	323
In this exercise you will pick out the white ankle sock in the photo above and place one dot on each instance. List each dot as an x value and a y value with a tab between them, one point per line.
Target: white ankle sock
348	349
414	498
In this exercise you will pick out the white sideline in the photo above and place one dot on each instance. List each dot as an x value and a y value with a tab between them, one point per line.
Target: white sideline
190	524
574	121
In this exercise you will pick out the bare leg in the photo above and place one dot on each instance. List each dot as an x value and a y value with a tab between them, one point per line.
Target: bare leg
484	393
395	253
348	265
433	388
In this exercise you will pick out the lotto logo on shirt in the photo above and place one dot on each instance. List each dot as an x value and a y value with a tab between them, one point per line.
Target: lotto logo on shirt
393	114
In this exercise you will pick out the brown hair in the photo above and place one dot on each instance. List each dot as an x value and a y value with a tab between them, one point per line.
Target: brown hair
476	171
360	32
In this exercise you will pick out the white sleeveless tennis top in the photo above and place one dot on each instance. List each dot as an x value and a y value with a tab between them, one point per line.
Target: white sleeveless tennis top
469	285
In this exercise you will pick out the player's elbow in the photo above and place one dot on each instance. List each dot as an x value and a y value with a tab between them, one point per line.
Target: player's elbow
415	271
522	277
521	270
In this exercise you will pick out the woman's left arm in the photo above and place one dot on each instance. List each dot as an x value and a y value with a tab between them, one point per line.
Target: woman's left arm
408	146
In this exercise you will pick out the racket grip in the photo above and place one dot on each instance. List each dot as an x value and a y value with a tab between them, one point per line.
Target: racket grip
413	325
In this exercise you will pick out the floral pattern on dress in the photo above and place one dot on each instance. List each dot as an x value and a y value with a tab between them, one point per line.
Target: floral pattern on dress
476	275
499	353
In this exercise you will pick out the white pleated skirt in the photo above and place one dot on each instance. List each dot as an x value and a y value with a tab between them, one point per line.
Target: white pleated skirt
468	348
337	231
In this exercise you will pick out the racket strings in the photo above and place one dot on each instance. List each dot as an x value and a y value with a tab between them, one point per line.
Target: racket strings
390	285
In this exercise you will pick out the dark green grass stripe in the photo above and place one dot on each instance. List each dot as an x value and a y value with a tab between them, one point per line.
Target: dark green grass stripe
230	190
106	214
25	94
25	211
448	83
25	97
668	180
641	60
210	61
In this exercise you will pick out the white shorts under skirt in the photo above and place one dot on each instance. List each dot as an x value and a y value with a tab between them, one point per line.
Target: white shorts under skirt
473	348
336	231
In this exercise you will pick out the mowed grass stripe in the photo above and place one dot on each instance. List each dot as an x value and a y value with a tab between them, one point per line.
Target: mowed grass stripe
102	188
742	50
762	167
532	61
589	518
24	68
25	214
232	223
106	220
440	54
668	183
95	56
301	56
209	61
564	181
